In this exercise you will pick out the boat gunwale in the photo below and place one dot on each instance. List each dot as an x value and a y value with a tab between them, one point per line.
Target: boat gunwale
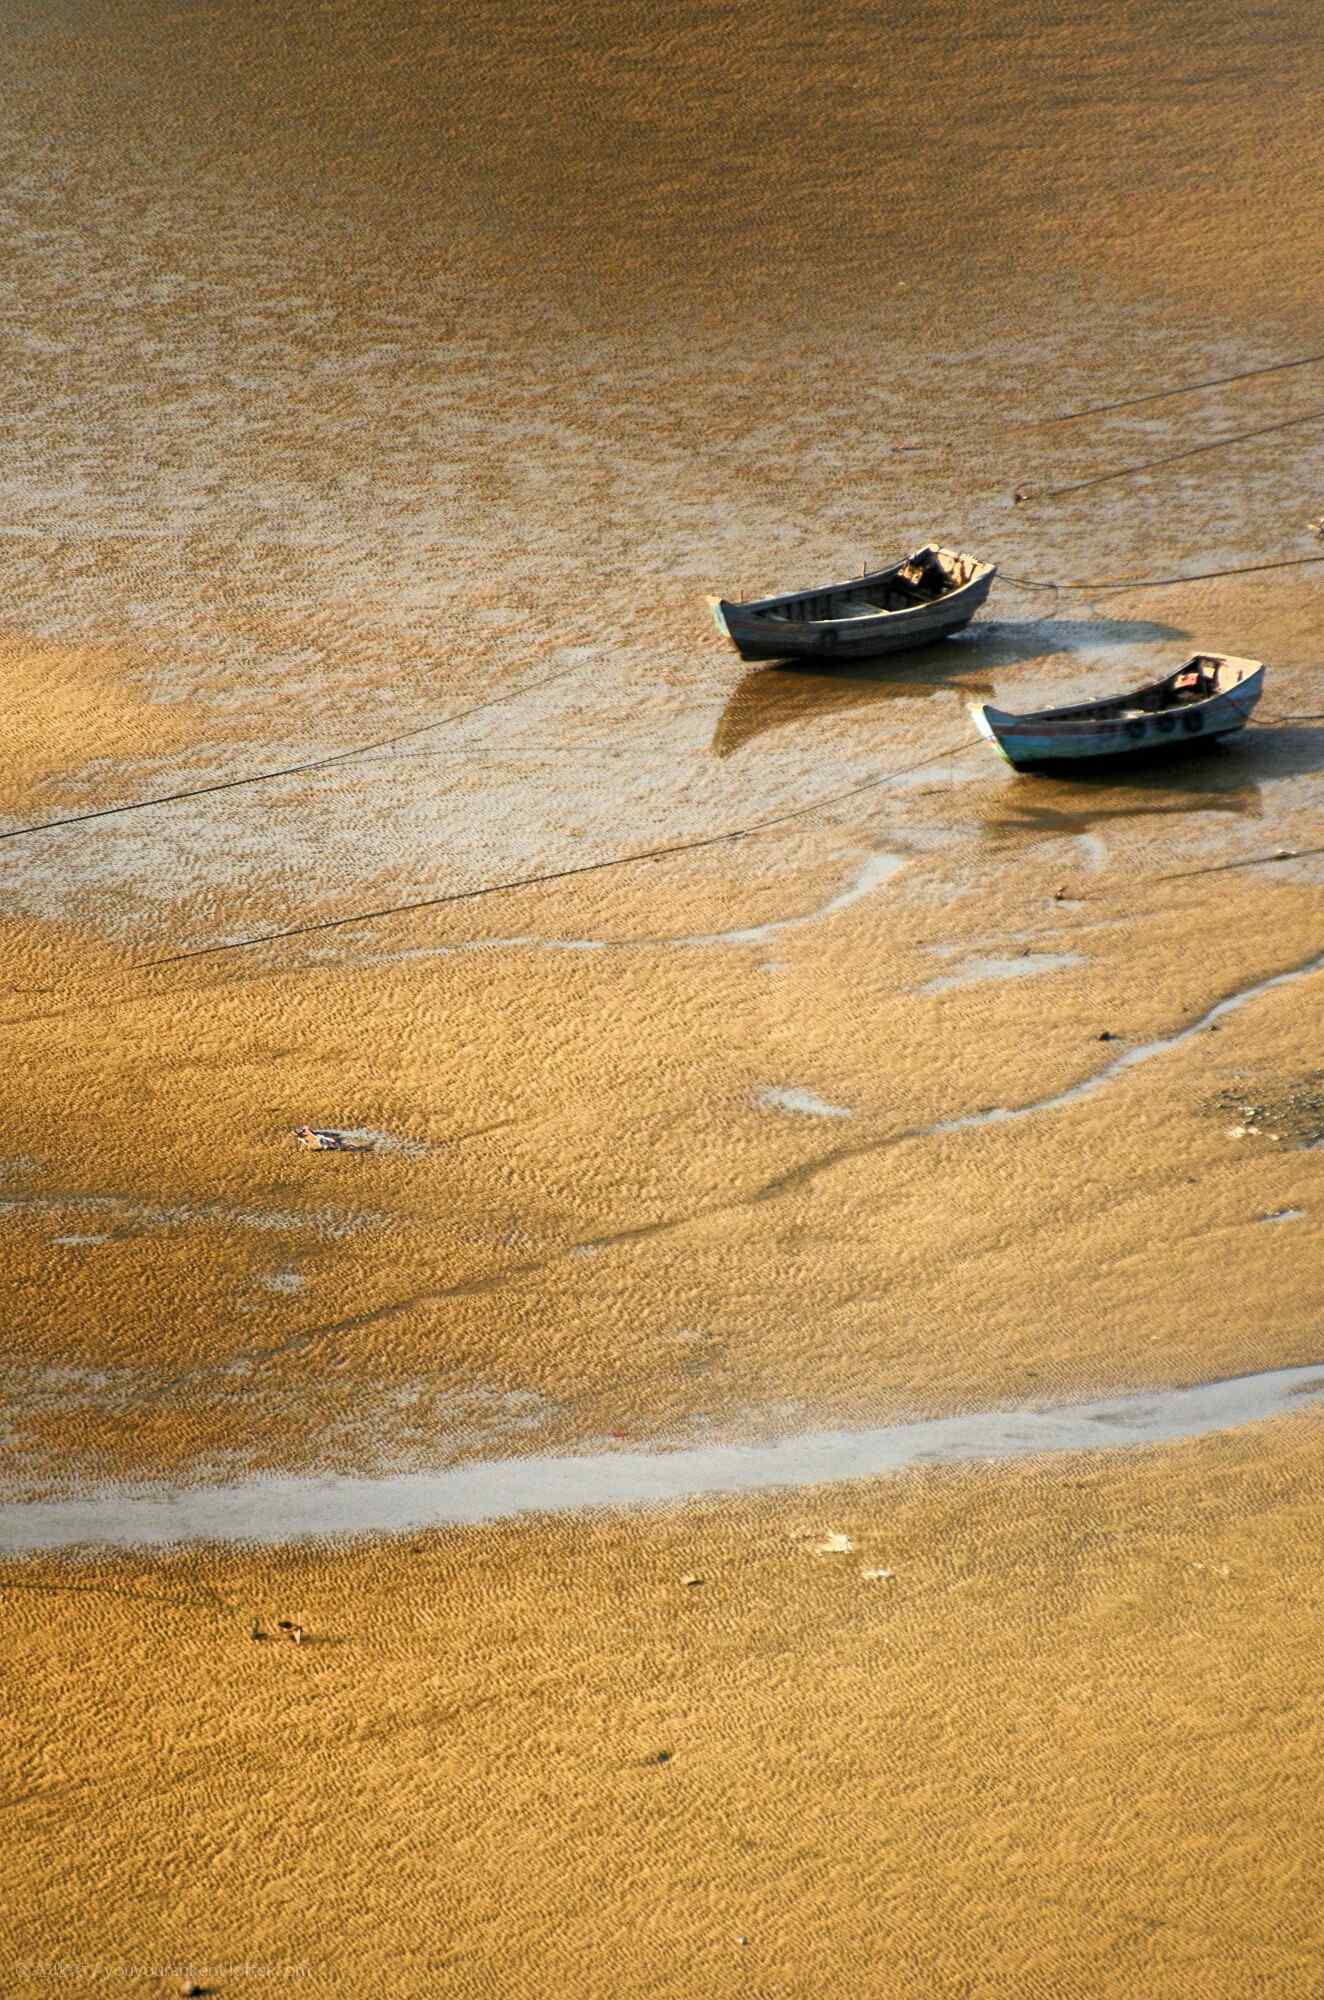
764	611
1090	716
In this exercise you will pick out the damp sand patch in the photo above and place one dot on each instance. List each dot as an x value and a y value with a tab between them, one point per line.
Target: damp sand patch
244	1427
975	970
284	1283
130	1217
777	1097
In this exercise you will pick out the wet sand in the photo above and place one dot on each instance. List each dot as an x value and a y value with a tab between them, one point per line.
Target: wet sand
381	410
320	1507
1070	1745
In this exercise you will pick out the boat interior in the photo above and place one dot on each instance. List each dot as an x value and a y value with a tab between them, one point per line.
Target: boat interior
1199	679
922	579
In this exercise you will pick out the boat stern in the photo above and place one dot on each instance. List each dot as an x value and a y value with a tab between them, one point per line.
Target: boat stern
1240	683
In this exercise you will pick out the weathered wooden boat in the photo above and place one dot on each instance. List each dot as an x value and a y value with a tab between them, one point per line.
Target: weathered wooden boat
1211	696
930	594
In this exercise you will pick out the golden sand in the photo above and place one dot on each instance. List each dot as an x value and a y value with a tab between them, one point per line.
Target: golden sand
394	384
66	701
1070	1746
541	1239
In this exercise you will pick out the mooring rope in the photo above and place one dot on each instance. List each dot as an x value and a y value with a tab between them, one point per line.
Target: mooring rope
1187	389
562	874
286	770
1172	458
1254	861
1161	582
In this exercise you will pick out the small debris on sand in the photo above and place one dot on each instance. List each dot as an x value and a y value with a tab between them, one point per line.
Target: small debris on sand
326	1139
319	1142
691	1582
878	1575
835	1545
1288	1112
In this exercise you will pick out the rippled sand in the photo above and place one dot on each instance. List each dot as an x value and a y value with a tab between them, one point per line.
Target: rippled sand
396	386
1069	1746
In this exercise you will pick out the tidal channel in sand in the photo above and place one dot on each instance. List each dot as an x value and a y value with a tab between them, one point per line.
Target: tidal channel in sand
275	1511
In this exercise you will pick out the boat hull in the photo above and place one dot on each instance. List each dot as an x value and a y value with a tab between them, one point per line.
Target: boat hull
760	633
1032	743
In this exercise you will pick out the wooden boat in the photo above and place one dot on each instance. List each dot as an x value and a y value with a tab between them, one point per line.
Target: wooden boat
1211	696
930	594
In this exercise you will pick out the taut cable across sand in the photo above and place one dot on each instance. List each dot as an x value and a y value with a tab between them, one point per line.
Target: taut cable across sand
1187	389
1159	582
1172	458
286	770
564	874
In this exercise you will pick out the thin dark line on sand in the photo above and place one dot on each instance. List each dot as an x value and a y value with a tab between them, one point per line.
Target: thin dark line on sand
1172	458
286	770
559	874
1165	582
1226	867
1186	389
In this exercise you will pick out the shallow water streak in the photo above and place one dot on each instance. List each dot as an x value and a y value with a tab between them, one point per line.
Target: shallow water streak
973	970
277	1509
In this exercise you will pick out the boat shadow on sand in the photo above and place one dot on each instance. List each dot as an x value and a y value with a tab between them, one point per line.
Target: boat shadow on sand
1212	779
1216	777
780	697
790	692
